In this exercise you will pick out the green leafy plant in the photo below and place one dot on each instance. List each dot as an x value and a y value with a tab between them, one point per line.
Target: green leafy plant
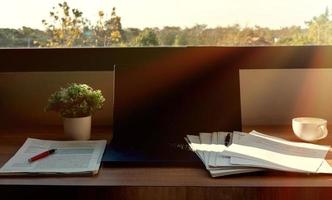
76	100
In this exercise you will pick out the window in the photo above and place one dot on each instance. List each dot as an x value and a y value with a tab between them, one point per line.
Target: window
127	23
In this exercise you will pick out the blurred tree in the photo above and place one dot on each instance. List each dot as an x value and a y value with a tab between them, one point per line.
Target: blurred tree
168	35
320	29
108	32
147	38
317	32
31	36
228	36
130	34
23	37
65	27
193	36
294	35
114	27
180	39
99	31
289	35
11	38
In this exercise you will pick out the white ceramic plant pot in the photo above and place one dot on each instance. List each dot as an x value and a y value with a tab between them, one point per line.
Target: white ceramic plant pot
77	128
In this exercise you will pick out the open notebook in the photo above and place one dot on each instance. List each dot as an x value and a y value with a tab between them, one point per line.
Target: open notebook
70	158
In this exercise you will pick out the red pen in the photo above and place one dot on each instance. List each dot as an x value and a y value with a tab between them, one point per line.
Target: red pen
41	155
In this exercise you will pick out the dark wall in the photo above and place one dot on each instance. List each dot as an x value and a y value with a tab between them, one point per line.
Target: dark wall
102	58
223	62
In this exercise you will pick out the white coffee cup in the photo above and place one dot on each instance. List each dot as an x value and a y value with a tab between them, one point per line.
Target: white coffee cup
309	128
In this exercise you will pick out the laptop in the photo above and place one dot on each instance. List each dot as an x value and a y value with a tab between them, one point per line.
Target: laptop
155	107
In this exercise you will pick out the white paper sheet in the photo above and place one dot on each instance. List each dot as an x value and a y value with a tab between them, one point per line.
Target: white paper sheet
230	171
213	153
271	152
222	160
206	139
69	157
195	145
218	170
324	168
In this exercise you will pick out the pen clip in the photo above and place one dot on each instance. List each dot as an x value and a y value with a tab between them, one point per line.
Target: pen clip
228	139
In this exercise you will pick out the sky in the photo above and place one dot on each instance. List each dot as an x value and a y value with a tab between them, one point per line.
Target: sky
160	13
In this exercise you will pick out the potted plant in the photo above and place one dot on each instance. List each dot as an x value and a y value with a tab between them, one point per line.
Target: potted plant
76	103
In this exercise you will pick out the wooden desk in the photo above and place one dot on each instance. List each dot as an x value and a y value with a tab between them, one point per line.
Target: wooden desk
160	182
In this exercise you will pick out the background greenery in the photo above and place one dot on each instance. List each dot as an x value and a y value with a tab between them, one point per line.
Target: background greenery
67	27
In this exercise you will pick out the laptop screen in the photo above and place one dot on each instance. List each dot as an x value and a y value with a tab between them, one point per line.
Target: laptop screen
162	103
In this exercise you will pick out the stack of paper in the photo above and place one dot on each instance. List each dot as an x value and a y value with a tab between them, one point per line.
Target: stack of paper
210	147
226	153
70	157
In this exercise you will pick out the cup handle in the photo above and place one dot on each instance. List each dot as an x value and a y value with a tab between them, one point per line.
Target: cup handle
324	131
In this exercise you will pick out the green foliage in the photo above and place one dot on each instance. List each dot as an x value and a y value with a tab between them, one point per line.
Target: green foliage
108	32
168	35
320	29
77	100
65	27
23	37
130	35
147	38
68	28
115	28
